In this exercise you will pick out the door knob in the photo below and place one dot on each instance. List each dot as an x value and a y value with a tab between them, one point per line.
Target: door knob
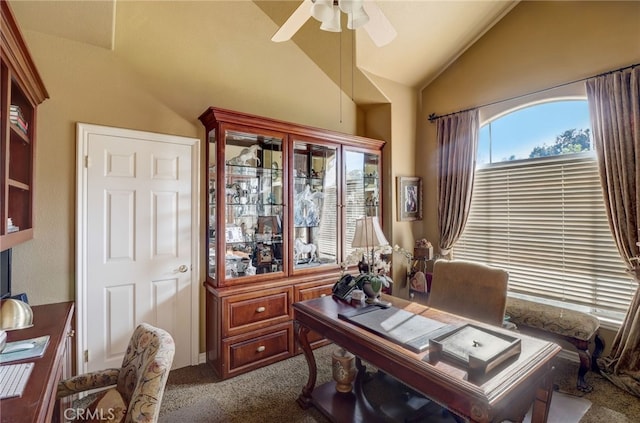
183	268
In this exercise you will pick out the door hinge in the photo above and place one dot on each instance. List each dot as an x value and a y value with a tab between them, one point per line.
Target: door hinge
87	161
86	356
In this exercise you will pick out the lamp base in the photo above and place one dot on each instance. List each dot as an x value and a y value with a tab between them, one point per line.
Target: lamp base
373	297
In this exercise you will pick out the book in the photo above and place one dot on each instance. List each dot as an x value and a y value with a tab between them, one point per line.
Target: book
21	125
14	351
16	112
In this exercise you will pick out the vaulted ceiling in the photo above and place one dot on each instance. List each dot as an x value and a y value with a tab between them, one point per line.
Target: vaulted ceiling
431	35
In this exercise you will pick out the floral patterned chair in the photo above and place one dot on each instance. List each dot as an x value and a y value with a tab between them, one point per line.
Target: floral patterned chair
139	383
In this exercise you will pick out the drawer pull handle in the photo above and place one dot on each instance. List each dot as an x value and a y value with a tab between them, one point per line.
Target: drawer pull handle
261	348
260	309
323	295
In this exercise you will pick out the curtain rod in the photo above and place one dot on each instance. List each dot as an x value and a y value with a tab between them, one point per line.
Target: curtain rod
433	117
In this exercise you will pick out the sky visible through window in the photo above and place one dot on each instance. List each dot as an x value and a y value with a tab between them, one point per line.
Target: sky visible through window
517	133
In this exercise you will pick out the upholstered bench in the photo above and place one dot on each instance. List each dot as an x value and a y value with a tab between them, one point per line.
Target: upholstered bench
553	322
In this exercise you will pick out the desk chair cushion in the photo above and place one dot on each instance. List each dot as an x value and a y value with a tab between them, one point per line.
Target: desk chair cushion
469	289
146	366
108	407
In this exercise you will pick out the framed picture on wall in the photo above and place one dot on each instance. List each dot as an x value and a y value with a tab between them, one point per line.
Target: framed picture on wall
409	198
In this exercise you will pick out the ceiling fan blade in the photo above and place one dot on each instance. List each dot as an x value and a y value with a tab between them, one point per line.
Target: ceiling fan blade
379	28
294	23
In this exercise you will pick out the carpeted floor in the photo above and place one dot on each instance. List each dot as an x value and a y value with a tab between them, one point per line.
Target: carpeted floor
194	394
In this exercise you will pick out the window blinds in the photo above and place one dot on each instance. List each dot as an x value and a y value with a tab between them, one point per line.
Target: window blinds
544	221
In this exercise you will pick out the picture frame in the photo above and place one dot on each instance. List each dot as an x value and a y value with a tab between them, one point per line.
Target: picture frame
268	225
233	234
409	198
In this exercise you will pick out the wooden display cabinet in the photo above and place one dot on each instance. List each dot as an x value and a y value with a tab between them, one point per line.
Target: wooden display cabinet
282	201
21	91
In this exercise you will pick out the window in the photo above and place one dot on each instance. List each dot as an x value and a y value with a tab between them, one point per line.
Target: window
537	211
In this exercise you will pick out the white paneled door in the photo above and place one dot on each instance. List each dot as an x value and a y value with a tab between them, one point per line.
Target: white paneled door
139	249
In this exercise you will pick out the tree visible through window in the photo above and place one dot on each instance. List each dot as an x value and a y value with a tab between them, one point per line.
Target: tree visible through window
537	210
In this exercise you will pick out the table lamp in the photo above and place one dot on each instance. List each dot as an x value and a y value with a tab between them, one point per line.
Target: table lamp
369	235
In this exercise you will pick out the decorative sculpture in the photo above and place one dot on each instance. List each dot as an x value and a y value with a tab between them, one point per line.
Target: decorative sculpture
307	206
301	249
250	153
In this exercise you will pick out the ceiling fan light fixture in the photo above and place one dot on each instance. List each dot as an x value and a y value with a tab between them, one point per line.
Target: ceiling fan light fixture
357	18
322	10
333	24
364	14
347	6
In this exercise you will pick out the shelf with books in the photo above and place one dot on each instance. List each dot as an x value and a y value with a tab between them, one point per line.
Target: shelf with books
21	92
18	120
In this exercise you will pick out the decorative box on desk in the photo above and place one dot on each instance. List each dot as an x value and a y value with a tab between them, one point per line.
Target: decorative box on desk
477	349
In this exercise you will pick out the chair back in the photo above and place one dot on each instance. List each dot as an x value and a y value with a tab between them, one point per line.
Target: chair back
469	289
144	372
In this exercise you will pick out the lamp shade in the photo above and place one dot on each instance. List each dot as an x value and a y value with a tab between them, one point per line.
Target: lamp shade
357	18
333	24
368	234
347	6
322	10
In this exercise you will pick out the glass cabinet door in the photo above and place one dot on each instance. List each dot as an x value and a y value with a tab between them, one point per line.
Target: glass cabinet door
253	204
362	195
315	205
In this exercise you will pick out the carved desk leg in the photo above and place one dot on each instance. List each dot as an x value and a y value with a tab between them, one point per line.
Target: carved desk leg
542	402
304	400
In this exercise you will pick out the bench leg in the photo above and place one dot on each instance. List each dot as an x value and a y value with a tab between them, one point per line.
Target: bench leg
588	361
597	351
585	365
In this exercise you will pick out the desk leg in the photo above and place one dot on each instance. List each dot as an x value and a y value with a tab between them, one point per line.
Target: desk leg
542	403
304	400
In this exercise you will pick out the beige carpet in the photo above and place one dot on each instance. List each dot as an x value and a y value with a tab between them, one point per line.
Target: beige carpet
565	408
193	394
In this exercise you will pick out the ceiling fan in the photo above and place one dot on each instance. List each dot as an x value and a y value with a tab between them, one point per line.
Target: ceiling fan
361	13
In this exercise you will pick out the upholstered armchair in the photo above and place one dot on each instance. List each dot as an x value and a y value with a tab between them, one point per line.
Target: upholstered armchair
470	289
136	388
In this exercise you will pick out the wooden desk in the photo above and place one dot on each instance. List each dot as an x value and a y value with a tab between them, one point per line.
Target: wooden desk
39	398
506	395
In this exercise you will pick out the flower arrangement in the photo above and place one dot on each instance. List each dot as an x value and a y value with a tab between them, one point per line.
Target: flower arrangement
423	250
423	243
407	254
372	265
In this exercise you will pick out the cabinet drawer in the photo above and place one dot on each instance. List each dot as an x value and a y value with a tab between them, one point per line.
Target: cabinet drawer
313	292
257	310
252	351
308	291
